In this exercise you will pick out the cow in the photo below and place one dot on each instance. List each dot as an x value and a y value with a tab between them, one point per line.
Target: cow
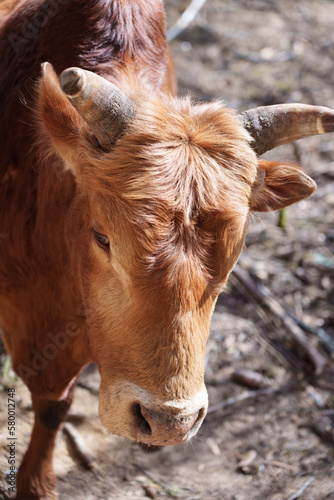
123	210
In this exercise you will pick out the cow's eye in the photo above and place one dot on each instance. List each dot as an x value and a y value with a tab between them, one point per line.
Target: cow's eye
101	240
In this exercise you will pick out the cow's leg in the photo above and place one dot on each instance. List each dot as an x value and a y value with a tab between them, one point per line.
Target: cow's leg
35	478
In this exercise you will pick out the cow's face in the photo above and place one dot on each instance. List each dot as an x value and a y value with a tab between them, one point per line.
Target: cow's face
157	225
168	208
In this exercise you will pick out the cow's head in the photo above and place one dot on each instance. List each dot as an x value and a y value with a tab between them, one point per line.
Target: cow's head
165	189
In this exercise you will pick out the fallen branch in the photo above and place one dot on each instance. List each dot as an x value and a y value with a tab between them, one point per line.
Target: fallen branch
262	294
249	378
254	57
77	418
324	428
281	465
243	397
323	336
149	475
78	446
299	493
91	389
187	17
168	490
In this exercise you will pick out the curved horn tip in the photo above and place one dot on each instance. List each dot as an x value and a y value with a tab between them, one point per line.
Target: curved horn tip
45	67
327	122
71	81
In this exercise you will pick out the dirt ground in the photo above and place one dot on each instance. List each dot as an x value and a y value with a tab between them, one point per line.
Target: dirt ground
277	443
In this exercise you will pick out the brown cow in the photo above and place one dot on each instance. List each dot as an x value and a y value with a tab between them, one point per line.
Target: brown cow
123	210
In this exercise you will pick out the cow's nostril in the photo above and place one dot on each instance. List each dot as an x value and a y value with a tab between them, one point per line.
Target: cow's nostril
198	421
201	415
141	422
164	424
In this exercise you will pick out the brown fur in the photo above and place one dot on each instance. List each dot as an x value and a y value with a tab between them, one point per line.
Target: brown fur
173	197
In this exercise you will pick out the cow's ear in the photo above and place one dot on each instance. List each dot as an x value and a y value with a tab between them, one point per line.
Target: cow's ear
279	185
60	122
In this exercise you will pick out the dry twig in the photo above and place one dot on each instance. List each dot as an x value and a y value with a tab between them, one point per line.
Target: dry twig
91	389
262	294
187	17
323	336
78	446
243	397
249	378
170	491
299	493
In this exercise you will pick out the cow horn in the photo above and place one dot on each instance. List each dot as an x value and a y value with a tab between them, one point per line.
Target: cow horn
103	106
271	126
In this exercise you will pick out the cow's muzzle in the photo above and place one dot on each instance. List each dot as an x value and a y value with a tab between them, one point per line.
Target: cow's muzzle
163	427
130	411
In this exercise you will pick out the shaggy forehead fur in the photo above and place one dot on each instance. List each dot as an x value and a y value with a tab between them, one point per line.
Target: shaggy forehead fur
181	178
183	154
